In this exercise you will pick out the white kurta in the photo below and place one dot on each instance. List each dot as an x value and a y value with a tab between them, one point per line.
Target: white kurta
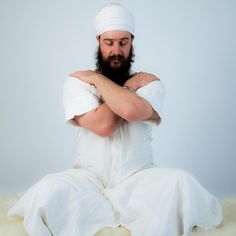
114	182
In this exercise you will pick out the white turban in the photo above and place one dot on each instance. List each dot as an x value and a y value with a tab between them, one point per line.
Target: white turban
114	17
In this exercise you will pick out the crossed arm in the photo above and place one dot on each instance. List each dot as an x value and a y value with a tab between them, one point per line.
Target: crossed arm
119	103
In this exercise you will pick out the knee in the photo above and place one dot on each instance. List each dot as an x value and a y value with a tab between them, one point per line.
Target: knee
51	185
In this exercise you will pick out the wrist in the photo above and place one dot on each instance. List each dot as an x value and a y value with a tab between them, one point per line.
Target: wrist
129	88
132	84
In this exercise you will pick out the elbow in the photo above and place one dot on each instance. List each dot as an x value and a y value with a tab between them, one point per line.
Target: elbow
105	131
130	114
102	129
137	113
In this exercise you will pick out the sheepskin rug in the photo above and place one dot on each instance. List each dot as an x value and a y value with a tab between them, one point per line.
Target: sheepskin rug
15	228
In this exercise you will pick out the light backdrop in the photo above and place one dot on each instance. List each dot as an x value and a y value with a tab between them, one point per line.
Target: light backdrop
190	45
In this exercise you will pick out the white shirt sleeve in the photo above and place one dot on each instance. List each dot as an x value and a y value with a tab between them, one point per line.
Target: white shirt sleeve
78	98
154	93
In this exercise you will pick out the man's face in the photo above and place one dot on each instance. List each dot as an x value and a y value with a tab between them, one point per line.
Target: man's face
115	47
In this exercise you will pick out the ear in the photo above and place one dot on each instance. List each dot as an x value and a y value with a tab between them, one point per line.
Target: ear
132	37
98	37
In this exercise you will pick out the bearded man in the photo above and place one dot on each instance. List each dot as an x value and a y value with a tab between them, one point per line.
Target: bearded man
114	181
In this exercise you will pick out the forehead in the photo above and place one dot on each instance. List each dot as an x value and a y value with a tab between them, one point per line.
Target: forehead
115	35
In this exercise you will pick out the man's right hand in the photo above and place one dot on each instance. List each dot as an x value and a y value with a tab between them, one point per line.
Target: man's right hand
140	79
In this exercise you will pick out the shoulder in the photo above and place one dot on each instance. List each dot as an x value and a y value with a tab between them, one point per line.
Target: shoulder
73	81
76	87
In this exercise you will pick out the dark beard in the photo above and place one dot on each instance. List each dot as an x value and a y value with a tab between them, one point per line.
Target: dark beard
118	75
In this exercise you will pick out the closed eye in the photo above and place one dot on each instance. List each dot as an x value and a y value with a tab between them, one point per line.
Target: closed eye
108	42
123	42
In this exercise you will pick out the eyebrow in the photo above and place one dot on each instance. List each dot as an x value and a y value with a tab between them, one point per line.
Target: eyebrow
111	39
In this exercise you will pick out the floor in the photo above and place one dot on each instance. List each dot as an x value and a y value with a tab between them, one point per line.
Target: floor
15	228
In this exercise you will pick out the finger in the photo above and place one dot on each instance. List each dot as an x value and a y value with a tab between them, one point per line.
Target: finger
154	76
75	74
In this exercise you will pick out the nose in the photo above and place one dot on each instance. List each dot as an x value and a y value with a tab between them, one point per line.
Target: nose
116	50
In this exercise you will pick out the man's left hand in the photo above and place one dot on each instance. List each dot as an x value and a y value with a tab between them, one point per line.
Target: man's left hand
140	79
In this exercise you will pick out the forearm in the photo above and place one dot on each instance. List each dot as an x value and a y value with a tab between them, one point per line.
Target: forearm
102	120
123	102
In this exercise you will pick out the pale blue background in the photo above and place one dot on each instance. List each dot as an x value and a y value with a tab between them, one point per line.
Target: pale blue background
190	45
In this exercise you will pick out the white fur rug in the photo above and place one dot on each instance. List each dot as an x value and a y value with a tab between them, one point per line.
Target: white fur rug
15	228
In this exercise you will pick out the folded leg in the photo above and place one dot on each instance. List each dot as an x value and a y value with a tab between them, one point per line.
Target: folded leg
159	201
65	203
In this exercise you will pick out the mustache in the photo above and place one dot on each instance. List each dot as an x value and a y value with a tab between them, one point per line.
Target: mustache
116	57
